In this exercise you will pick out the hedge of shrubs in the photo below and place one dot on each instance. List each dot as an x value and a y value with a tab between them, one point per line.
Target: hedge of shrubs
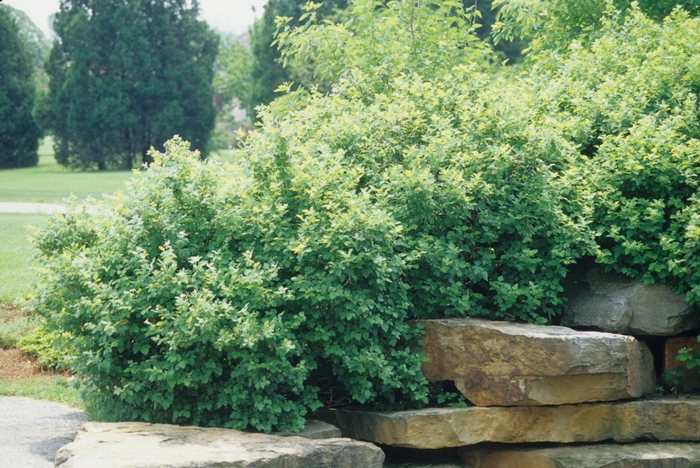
248	295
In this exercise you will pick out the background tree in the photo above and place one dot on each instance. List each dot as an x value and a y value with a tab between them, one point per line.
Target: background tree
126	76
34	38
233	83
19	132
39	48
268	71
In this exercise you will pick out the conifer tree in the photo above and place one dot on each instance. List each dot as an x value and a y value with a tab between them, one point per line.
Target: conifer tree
126	76
19	133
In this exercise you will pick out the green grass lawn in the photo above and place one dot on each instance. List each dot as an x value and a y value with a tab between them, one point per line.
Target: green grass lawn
43	388
16	253
49	182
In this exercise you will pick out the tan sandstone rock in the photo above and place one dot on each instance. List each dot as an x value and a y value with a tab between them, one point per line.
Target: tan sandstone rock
650	455
140	445
432	428
501	363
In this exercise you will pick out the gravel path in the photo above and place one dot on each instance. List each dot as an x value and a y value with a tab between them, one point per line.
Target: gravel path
32	431
20	207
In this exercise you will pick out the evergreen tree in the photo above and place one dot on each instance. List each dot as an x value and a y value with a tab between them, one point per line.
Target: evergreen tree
34	38
126	76
19	133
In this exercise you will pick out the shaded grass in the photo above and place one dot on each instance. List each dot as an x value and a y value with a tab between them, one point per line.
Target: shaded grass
16	253
52	388
49	182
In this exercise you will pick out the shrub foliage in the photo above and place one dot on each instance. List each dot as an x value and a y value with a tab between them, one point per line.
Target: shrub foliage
428	183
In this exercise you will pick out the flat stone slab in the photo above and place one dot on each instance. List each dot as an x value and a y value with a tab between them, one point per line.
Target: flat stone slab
616	303
650	455
434	428
141	445
507	364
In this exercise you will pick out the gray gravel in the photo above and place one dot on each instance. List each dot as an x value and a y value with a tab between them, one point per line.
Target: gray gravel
32	431
21	207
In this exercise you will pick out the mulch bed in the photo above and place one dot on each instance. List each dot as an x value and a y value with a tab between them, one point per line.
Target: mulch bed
16	365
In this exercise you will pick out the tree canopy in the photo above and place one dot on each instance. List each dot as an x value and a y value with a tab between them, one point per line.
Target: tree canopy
126	76
19	132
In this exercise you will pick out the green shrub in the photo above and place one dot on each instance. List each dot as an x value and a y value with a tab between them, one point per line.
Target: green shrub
49	348
197	298
238	296
630	103
424	185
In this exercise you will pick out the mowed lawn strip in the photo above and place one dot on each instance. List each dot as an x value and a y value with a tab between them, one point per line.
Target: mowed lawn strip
16	253
47	387
49	182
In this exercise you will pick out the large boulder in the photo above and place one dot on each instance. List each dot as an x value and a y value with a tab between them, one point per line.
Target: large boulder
433	428
136	445
501	363
656	455
615	303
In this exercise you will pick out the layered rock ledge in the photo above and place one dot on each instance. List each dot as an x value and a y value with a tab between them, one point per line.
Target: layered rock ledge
432	428
135	445
654	455
501	363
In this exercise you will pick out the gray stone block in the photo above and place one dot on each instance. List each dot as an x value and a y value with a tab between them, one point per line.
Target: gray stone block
615	303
